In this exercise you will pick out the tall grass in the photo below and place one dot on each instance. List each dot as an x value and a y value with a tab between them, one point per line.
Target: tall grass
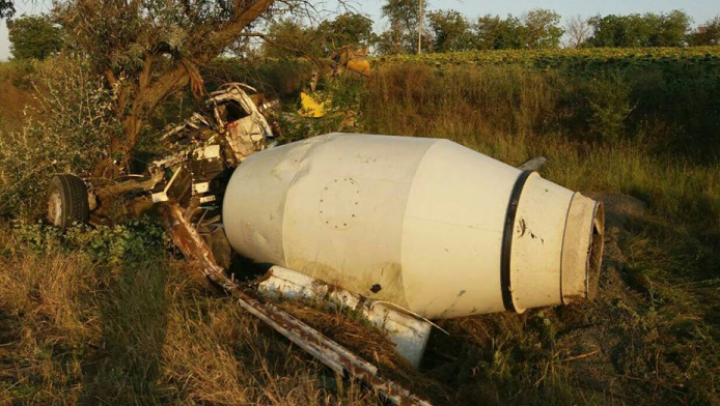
144	331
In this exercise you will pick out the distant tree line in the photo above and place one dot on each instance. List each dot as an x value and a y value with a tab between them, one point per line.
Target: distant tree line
449	30
442	31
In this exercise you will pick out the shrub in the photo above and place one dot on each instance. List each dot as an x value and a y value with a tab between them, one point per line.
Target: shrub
126	244
608	99
67	131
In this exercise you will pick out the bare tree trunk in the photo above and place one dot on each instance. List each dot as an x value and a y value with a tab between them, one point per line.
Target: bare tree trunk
420	27
147	98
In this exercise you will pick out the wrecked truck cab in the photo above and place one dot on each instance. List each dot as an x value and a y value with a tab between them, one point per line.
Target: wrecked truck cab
202	151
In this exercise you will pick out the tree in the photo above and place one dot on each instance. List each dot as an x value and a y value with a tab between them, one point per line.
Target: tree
669	30
34	37
451	31
347	29
706	34
149	49
615	31
636	30
541	30
491	32
327	46
288	38
579	31
391	41
404	17
7	8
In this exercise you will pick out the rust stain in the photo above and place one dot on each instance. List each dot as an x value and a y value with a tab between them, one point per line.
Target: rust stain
387	275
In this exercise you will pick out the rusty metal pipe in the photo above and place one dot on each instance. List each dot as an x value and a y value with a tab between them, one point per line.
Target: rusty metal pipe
327	351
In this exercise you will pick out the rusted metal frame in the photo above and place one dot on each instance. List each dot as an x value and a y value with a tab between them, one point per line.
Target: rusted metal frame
128	186
327	351
193	123
192	208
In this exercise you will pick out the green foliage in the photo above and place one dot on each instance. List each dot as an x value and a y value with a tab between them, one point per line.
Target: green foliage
34	37
128	244
538	29
664	98
347	29
583	59
67	131
118	36
609	103
289	38
451	31
707	33
636	30
342	98
404	16
541	30
495	33
392	42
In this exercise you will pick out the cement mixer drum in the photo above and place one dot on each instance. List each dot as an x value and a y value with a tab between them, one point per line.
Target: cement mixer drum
425	224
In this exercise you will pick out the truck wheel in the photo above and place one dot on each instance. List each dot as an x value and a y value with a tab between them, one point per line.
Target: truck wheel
67	201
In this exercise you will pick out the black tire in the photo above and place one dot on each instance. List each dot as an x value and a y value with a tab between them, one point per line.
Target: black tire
67	201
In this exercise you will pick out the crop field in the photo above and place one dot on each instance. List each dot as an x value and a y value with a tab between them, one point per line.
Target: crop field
115	316
708	57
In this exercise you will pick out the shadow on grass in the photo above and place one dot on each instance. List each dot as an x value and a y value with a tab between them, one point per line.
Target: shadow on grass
127	365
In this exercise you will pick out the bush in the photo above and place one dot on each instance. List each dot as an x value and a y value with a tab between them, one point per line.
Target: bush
67	131
608	99
126	244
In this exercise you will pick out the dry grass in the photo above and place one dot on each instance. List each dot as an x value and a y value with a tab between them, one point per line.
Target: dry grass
75	331
14	94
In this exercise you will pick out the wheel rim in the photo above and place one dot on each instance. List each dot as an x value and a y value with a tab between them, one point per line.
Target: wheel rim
55	208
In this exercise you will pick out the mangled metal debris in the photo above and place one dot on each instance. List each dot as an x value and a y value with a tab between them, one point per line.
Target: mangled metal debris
409	332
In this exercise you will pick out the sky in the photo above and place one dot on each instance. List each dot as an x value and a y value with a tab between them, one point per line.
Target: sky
699	10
